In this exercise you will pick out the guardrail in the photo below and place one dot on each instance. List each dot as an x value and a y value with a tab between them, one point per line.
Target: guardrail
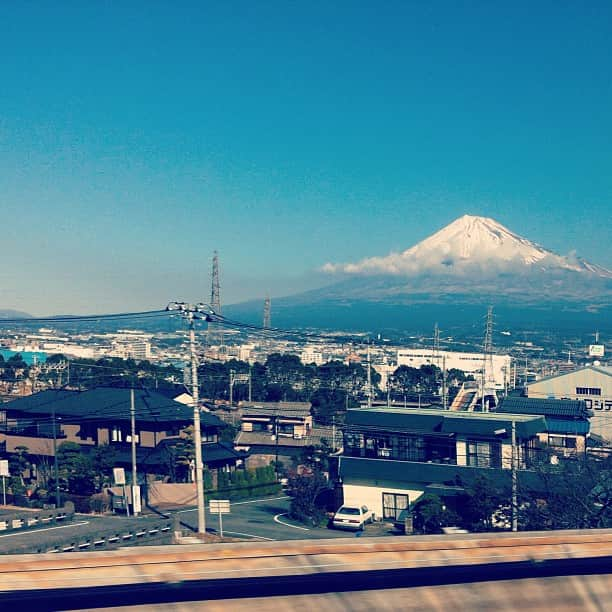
100	540
27	520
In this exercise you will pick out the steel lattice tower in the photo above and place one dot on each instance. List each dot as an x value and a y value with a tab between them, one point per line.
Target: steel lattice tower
436	345
215	331
487	356
267	313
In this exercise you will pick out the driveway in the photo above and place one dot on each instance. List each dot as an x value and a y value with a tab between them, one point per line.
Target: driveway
266	519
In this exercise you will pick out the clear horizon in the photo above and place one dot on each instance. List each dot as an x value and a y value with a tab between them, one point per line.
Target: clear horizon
135	141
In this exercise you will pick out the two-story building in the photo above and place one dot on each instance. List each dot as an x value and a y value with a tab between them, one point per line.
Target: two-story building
103	416
592	384
278	431
392	456
567	421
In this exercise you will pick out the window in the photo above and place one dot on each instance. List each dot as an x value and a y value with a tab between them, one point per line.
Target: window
209	436
393	504
588	391
411	448
116	434
562	441
482	453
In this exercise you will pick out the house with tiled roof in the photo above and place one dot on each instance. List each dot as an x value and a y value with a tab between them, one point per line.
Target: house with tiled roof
279	431
101	416
567	421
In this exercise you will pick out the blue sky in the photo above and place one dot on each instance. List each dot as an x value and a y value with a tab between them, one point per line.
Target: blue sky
136	138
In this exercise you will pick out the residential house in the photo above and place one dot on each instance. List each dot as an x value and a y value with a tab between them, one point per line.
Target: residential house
567	421
392	456
278	431
102	416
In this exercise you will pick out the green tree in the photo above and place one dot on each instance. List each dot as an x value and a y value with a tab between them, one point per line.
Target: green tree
569	494
19	462
306	490
75	468
430	514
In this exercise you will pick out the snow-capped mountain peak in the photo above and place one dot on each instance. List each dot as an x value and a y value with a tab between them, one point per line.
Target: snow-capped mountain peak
469	244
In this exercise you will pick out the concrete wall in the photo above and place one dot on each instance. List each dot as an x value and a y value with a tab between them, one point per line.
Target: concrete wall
372	496
36	446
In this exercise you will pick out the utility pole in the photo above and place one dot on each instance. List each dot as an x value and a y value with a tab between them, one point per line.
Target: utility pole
250	383
191	313
444	393
515	459
55	466
231	387
333	434
369	378
388	392
133	440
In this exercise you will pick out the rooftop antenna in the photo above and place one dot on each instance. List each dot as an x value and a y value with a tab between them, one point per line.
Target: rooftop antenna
215	331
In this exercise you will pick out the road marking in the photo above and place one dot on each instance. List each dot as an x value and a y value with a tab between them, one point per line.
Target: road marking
288	524
250	501
30	531
254	501
249	535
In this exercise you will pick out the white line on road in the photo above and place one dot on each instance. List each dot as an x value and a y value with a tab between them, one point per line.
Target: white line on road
254	501
249	535
288	524
30	531
250	501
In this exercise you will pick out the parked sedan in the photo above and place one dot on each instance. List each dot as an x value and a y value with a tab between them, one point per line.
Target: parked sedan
352	517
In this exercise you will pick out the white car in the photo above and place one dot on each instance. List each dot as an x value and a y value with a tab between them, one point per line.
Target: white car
352	517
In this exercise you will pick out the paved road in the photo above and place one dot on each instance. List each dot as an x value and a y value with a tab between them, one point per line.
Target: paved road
82	525
267	519
263	519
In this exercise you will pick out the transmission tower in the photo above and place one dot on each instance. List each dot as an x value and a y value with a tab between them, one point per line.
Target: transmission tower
436	345
267	313
215	331
487	355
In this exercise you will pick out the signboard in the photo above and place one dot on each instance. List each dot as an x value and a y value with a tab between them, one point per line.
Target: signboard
119	476
220	506
136	501
596	350
4	468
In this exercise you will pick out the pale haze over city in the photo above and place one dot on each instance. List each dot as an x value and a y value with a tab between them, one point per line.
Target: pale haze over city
135	140
306	305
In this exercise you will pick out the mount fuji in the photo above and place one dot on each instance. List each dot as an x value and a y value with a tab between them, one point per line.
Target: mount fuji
472	262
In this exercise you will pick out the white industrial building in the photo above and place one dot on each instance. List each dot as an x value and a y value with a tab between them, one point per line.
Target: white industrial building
471	363
593	384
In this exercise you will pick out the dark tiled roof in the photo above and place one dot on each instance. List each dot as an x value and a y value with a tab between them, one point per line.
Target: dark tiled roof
398	420
160	455
487	426
445	422
108	403
385	472
547	407
576	427
286	409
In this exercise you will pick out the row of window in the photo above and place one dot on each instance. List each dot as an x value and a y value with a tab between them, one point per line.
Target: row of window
588	391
